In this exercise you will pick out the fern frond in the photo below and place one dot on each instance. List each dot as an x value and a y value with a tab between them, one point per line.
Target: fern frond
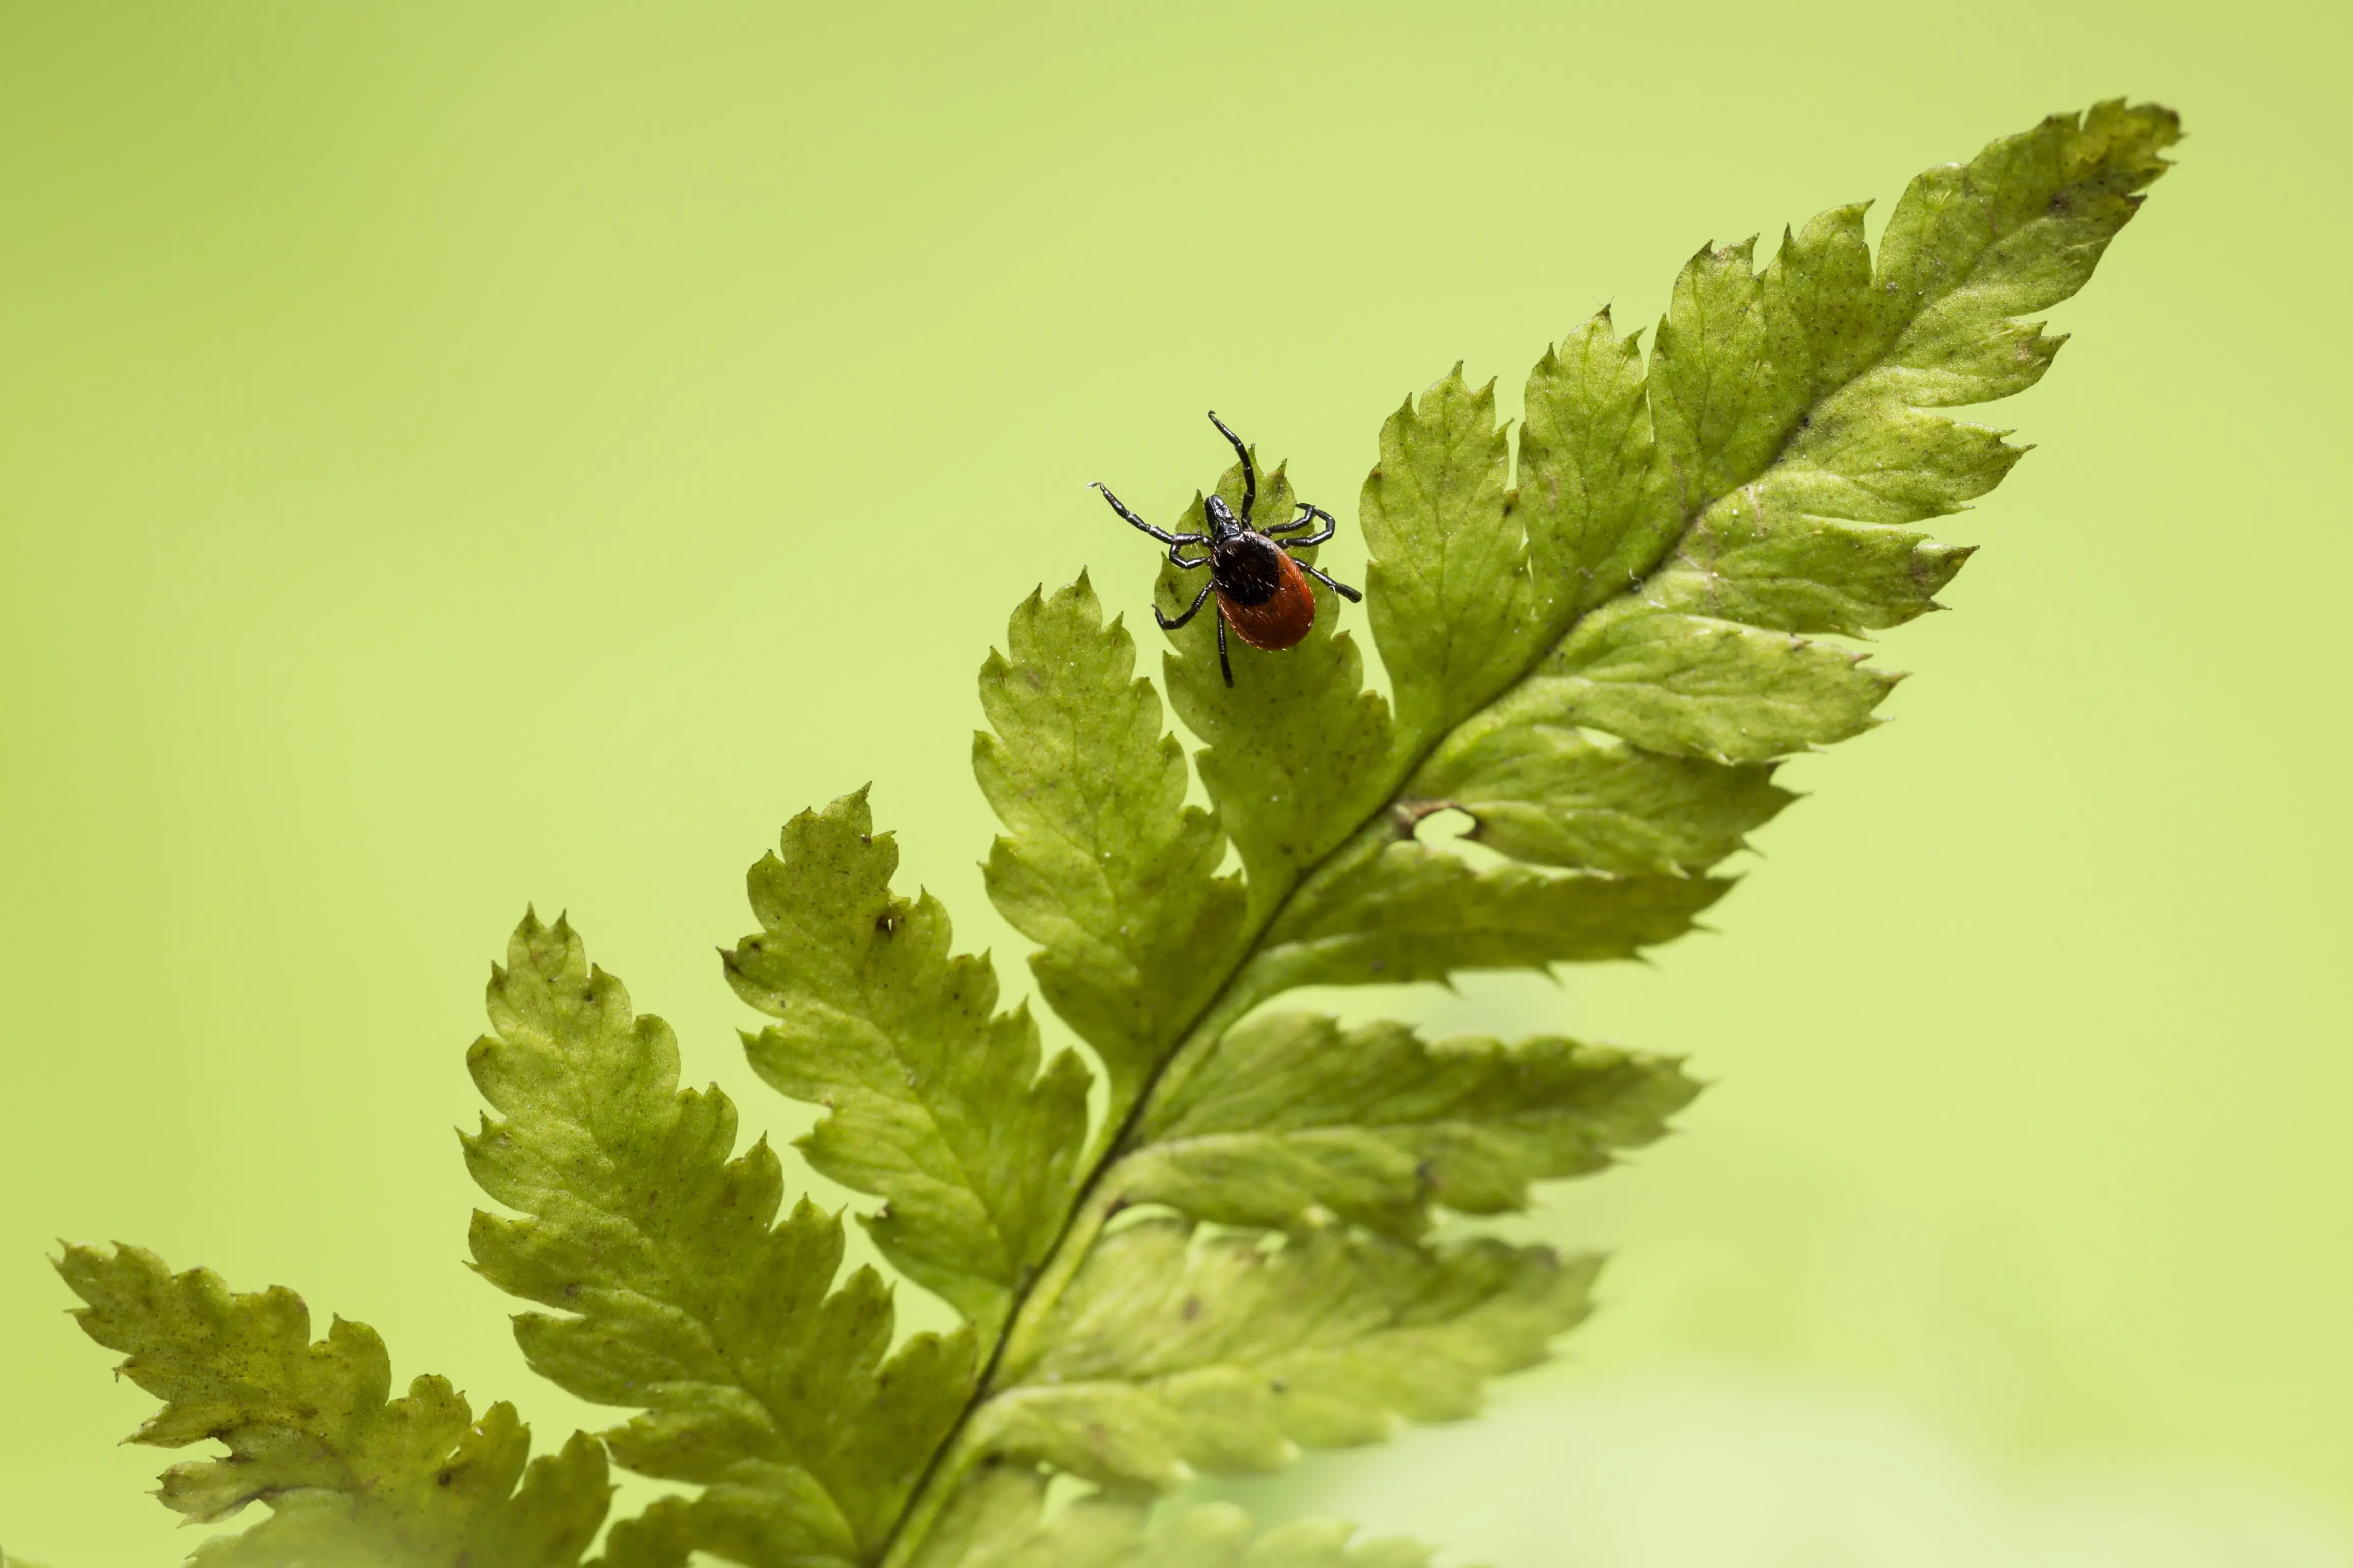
1601	642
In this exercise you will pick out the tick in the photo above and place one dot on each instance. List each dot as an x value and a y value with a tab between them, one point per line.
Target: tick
1262	590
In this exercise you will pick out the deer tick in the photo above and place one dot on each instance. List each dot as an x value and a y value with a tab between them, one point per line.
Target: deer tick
1262	590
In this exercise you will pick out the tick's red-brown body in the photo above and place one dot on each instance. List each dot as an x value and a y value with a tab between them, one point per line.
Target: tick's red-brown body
1262	590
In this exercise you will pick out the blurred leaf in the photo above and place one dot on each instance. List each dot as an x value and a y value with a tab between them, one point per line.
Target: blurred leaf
997	1524
934	1104
1169	1353
682	1295
1103	864
354	1478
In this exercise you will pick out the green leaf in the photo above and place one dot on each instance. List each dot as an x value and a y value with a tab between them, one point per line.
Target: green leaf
1794	572
1392	910
1559	796
1690	686
1727	374
1294	1120
1293	752
1169	1353
2016	230
1593	487
1449	592
353	1477
935	1102
997	1524
1103	864
681	1294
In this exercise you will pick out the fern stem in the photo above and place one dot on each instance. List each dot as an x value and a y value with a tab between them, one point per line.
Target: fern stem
1098	1199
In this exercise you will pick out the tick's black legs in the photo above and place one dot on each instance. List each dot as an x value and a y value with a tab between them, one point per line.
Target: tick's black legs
1162	534
1308	516
1249	471
1340	588
1313	512
1168	626
1229	534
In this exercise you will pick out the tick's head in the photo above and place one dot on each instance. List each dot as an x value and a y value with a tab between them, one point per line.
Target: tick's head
1221	517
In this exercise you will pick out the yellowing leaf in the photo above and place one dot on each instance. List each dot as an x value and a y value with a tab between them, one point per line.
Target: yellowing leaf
354	1478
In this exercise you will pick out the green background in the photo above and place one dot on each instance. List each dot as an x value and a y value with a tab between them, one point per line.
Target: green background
455	456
